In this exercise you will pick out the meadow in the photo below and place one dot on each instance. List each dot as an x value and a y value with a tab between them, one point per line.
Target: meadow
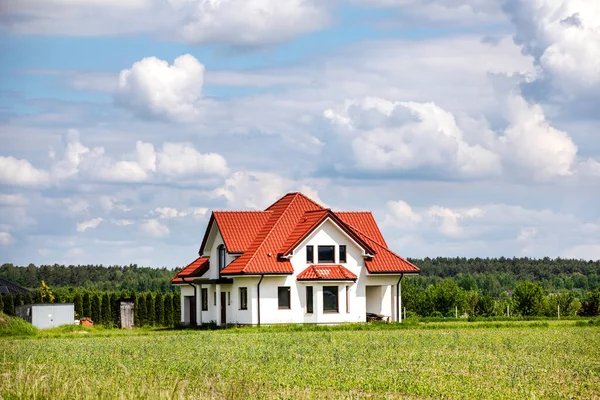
523	359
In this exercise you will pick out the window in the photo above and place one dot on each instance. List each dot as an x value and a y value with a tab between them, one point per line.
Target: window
283	295
310	256
228	298
342	253
326	254
215	298
347	299
204	299
309	299
243	298
221	250
330	299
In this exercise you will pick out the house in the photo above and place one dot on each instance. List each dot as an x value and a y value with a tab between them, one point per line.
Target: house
295	262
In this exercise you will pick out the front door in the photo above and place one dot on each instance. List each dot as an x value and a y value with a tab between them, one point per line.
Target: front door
223	308
192	308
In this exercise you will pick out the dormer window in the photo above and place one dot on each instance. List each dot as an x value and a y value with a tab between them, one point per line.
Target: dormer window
326	254
310	258
222	262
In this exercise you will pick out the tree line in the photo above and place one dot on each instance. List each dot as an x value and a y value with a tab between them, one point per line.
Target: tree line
150	308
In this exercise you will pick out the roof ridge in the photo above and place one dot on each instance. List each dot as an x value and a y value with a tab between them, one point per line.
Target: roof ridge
354	212
295	194
367	236
385	248
242	211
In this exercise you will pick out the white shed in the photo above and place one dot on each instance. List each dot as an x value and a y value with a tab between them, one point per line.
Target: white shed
44	316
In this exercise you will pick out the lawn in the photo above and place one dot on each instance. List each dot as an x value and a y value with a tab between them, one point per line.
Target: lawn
556	359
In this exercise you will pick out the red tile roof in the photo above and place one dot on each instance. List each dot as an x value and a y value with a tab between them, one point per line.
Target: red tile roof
262	236
326	273
194	270
239	228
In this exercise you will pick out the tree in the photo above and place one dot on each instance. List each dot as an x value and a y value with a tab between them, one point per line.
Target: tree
168	309
114	308
96	308
159	304
591	307
528	298
136	314
106	315
150	311
78	303
87	305
176	308
485	306
9	305
46	293
142	309
28	298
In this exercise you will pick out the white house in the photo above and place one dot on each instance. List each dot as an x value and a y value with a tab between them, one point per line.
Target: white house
295	262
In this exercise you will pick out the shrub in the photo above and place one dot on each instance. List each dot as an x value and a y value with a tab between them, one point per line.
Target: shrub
9	305
528	298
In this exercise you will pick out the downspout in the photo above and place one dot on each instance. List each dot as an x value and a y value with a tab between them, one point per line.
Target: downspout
195	296
258	297
398	311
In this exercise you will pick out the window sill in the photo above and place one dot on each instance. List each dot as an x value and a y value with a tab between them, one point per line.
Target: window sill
284	308
331	312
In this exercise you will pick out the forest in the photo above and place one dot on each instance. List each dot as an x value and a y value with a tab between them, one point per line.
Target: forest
447	287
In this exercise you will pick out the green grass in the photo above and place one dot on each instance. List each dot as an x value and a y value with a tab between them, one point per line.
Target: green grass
525	359
15	327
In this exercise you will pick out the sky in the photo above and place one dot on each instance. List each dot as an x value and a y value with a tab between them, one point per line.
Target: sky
468	127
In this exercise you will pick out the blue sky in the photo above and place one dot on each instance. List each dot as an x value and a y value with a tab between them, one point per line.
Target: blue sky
469	128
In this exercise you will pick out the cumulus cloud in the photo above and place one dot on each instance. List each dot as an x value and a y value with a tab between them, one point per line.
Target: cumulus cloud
13	200
91	224
181	159
405	136
20	172
6	239
563	36
153	88
152	227
168	212
257	190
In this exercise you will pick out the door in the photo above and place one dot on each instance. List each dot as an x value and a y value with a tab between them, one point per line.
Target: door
223	308
192	308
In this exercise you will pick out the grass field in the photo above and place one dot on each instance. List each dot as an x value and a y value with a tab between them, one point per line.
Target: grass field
559	359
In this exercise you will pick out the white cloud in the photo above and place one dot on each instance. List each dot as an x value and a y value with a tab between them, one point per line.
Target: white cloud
583	252
6	239
409	135
91	224
256	190
181	159
532	144
152	87
152	227
449	218
21	173
401	213
168	213
13	200
527	233
109	203
123	222
564	38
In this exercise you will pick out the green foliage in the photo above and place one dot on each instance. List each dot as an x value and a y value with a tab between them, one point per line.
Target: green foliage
87	305
141	309
114	308
46	293
12	326
591	306
78	303
485	306
2	303
176	308
150	309
159	305
106	314
28	298
168	306
96	308
528	298
9	305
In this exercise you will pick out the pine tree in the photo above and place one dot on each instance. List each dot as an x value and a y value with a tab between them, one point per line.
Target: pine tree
159	303
96	308
28	298
168	309
78	302
176	308
136	314
150	310
142	309
87	305
9	305
37	298
114	308
106	315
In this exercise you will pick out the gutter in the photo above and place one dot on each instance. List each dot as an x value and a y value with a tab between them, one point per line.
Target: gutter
258	296
195	296
398	311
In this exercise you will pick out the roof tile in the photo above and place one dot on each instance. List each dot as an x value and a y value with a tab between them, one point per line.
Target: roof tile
326	273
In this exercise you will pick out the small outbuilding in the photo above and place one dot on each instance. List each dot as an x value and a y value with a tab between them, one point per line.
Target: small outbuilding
126	313
50	315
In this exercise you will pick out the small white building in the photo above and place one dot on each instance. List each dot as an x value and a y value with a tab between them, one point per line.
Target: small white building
295	262
47	315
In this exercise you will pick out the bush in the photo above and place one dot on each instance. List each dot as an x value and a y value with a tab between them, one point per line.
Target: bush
528	298
13	326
